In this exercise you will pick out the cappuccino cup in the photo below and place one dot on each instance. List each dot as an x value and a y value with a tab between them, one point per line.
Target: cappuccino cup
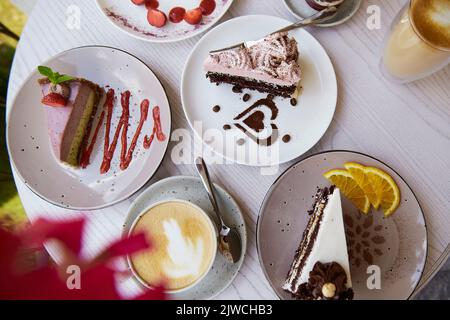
183	246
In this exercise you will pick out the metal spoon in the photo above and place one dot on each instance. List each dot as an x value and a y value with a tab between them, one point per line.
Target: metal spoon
229	239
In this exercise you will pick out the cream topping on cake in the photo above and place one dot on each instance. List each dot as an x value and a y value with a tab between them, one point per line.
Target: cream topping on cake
272	60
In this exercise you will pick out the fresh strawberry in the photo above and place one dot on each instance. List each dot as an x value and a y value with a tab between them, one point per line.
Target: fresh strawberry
193	16
54	100
156	18
207	7
151	4
176	14
138	2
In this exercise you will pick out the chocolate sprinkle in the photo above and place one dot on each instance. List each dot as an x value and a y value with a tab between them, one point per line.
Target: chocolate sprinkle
287	138
246	97
237	89
270	96
294	102
226	127
216	108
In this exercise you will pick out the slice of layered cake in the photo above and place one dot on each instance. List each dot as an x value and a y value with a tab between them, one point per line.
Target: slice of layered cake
269	66
70	106
320	269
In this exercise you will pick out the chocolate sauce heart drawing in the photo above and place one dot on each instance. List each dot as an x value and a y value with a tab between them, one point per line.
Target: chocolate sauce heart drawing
257	122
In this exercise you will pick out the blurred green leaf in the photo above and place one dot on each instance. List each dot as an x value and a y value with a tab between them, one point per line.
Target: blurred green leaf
11	209
6	58
4	161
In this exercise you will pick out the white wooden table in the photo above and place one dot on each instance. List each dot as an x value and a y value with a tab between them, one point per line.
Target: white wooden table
407	127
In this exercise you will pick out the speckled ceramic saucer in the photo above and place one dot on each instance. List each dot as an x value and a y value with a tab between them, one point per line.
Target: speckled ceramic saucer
191	189
300	9
397	245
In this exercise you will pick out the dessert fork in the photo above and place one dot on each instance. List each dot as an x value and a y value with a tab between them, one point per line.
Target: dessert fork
315	18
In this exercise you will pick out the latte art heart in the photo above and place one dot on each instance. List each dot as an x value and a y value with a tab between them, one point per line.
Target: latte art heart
183	245
185	253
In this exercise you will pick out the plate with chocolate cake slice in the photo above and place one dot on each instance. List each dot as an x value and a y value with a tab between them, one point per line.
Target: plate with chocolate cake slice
263	104
314	244
89	128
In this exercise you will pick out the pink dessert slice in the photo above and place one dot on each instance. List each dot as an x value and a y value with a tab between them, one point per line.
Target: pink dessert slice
69	125
271	66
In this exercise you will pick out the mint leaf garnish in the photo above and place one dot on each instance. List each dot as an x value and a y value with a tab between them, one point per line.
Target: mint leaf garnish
53	77
45	71
63	78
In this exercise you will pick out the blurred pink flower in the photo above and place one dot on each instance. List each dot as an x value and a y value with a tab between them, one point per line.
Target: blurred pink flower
47	282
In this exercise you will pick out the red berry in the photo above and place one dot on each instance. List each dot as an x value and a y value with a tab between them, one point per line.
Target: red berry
138	2
176	14
156	18
54	100
207	7
151	4
193	16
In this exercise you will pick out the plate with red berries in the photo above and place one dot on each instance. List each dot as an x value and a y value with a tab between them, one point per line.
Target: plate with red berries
163	20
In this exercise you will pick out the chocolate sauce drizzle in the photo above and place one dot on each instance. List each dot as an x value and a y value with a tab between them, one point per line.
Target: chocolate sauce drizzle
255	121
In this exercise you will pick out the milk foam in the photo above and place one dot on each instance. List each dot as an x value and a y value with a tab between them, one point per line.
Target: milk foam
185	253
432	20
441	14
184	245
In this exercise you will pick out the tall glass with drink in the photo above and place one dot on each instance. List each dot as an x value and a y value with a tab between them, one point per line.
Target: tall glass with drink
418	42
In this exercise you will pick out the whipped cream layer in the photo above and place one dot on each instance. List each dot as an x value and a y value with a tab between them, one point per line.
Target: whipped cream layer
272	60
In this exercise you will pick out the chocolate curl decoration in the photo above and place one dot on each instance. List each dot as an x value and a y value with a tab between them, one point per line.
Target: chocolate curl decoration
97	279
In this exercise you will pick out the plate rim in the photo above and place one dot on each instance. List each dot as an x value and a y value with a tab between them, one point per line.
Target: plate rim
234	161
326	25
165	40
220	188
285	172
8	142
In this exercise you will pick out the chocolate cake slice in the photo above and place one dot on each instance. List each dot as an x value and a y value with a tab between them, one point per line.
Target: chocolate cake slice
320	269
270	66
69	124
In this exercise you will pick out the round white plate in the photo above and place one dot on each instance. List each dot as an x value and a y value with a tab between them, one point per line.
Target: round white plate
191	189
306	123
29	144
132	19
397	245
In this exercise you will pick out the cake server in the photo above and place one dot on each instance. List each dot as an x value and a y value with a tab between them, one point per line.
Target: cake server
318	17
229	240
